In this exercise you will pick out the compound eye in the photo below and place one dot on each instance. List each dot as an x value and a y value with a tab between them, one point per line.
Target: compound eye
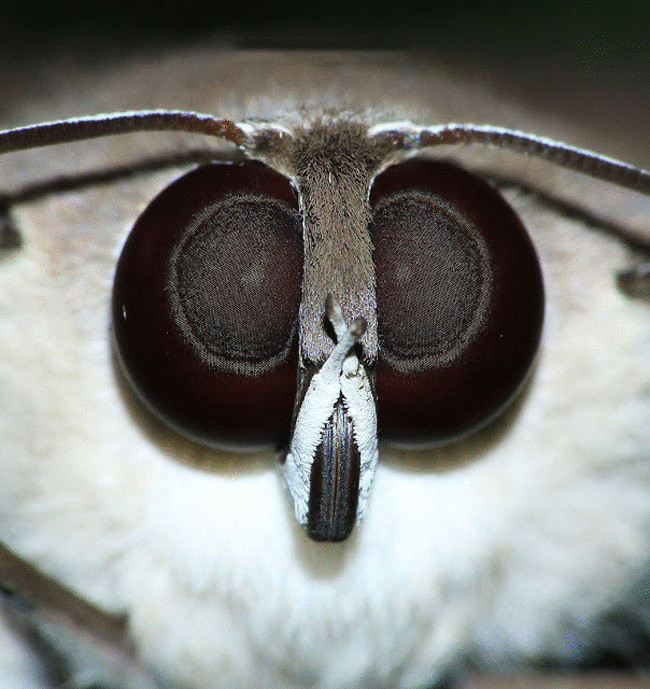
460	301
205	304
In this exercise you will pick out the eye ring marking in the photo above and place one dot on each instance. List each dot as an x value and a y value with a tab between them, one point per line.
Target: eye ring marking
423	400
198	258
236	404
457	317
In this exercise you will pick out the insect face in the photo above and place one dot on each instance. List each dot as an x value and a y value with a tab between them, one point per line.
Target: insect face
405	299
331	288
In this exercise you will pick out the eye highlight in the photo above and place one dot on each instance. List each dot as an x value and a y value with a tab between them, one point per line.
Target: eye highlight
460	301
205	304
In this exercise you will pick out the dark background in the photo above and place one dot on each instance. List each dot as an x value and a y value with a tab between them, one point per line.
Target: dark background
586	36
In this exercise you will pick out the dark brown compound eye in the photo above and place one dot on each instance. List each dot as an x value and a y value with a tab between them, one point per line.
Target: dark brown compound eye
460	301
205	304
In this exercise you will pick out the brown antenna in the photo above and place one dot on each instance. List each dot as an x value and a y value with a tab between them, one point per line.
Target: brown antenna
80	128
409	137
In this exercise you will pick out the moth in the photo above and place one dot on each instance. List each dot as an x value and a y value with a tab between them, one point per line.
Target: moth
322	297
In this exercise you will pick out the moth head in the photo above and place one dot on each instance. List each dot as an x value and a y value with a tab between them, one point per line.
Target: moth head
321	308
331	291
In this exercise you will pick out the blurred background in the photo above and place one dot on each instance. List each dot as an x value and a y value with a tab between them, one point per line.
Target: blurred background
588	33
594	40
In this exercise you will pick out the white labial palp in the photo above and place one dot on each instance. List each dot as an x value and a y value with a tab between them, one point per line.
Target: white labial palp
341	376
